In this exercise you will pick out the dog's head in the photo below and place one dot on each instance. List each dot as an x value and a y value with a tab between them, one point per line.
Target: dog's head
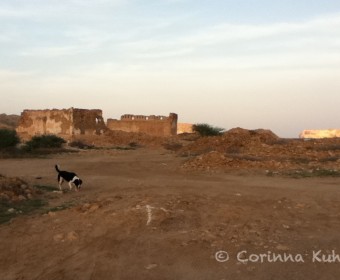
78	183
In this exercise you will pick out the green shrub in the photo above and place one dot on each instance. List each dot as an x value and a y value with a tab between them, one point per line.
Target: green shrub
204	129
8	138
44	142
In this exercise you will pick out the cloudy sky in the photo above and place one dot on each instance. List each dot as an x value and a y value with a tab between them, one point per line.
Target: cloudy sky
250	63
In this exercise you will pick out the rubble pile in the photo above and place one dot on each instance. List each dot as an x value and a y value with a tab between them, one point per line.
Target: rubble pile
14	190
261	149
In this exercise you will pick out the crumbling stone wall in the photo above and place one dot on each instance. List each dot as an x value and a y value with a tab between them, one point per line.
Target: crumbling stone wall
65	122
88	122
315	134
152	125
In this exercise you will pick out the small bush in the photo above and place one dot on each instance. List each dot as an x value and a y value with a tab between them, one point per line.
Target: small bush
44	142
133	145
80	145
204	129
8	138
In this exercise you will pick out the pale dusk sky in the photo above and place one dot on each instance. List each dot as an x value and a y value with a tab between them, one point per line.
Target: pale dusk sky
245	63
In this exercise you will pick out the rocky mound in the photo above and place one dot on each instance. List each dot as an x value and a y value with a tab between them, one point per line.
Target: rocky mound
14	189
233	141
261	149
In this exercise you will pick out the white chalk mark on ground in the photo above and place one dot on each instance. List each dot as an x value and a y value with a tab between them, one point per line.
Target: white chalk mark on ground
163	209
149	211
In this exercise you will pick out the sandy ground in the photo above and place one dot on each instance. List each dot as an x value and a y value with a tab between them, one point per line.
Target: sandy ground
140	216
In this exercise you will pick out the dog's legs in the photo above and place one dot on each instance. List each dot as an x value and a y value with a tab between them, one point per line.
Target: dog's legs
61	180
70	184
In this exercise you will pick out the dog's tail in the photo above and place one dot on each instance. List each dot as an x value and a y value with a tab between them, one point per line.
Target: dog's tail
57	168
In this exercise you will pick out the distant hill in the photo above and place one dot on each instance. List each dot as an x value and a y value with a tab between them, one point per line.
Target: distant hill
9	121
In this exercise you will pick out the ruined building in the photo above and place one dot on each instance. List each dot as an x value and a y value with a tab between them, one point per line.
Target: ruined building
184	128
152	125
65	122
69	122
317	134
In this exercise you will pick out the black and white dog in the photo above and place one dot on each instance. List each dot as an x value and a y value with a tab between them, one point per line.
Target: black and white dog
69	177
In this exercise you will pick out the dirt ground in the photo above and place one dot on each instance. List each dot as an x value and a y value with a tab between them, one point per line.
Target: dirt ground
141	216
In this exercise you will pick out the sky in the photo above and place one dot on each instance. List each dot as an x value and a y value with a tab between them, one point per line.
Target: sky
272	64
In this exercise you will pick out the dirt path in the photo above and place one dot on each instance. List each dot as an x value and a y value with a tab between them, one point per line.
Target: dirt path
139	216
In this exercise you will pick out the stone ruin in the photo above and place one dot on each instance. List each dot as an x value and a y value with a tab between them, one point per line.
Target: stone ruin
318	134
152	125
185	128
65	122
68	122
